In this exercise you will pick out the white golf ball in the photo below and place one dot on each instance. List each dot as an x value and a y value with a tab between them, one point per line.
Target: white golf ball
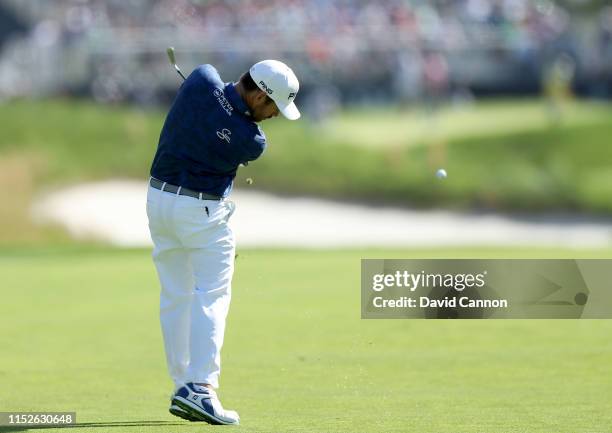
441	174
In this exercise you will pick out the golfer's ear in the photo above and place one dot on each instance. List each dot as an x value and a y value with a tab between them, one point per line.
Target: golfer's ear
260	96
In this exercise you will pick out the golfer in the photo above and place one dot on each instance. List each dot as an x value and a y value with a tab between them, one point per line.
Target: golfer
210	130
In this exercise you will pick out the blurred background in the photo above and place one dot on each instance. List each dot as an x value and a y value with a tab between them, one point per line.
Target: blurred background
348	51
511	97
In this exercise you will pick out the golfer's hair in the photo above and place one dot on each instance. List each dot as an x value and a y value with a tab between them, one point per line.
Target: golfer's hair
247	82
250	85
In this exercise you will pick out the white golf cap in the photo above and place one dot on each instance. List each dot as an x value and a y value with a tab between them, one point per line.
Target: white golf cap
280	83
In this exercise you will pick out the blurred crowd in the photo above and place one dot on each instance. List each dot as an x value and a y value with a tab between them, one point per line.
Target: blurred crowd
321	26
388	48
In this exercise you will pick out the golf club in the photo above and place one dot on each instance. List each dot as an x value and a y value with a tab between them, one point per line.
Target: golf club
170	52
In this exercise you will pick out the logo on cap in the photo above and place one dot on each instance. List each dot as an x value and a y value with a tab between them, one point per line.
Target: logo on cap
266	88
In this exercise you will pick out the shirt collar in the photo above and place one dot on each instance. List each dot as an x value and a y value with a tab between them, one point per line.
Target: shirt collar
235	99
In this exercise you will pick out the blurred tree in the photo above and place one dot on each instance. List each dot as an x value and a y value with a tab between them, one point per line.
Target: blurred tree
9	25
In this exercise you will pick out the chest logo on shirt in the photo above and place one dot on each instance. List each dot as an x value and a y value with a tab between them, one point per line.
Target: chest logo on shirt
225	134
225	104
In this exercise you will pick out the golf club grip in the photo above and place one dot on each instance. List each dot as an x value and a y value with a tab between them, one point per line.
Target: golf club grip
170	53
172	59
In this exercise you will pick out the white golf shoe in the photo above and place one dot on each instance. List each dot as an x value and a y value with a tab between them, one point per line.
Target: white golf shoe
177	411
200	403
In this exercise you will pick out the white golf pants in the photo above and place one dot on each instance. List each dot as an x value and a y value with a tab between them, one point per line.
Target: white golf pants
194	256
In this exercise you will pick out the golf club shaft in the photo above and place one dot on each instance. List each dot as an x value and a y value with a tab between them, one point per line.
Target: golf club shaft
172	58
179	72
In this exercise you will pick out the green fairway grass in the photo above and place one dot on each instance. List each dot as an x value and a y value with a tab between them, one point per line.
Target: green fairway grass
80	333
381	153
386	127
503	154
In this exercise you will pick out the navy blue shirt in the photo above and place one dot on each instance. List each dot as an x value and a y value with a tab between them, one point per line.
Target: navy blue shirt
207	134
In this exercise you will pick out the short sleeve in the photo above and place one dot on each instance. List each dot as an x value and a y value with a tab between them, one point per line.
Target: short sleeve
258	145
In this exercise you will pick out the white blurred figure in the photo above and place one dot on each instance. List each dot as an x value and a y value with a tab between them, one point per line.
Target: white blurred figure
436	77
557	84
408	80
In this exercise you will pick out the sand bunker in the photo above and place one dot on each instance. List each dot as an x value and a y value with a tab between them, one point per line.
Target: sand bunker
114	211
